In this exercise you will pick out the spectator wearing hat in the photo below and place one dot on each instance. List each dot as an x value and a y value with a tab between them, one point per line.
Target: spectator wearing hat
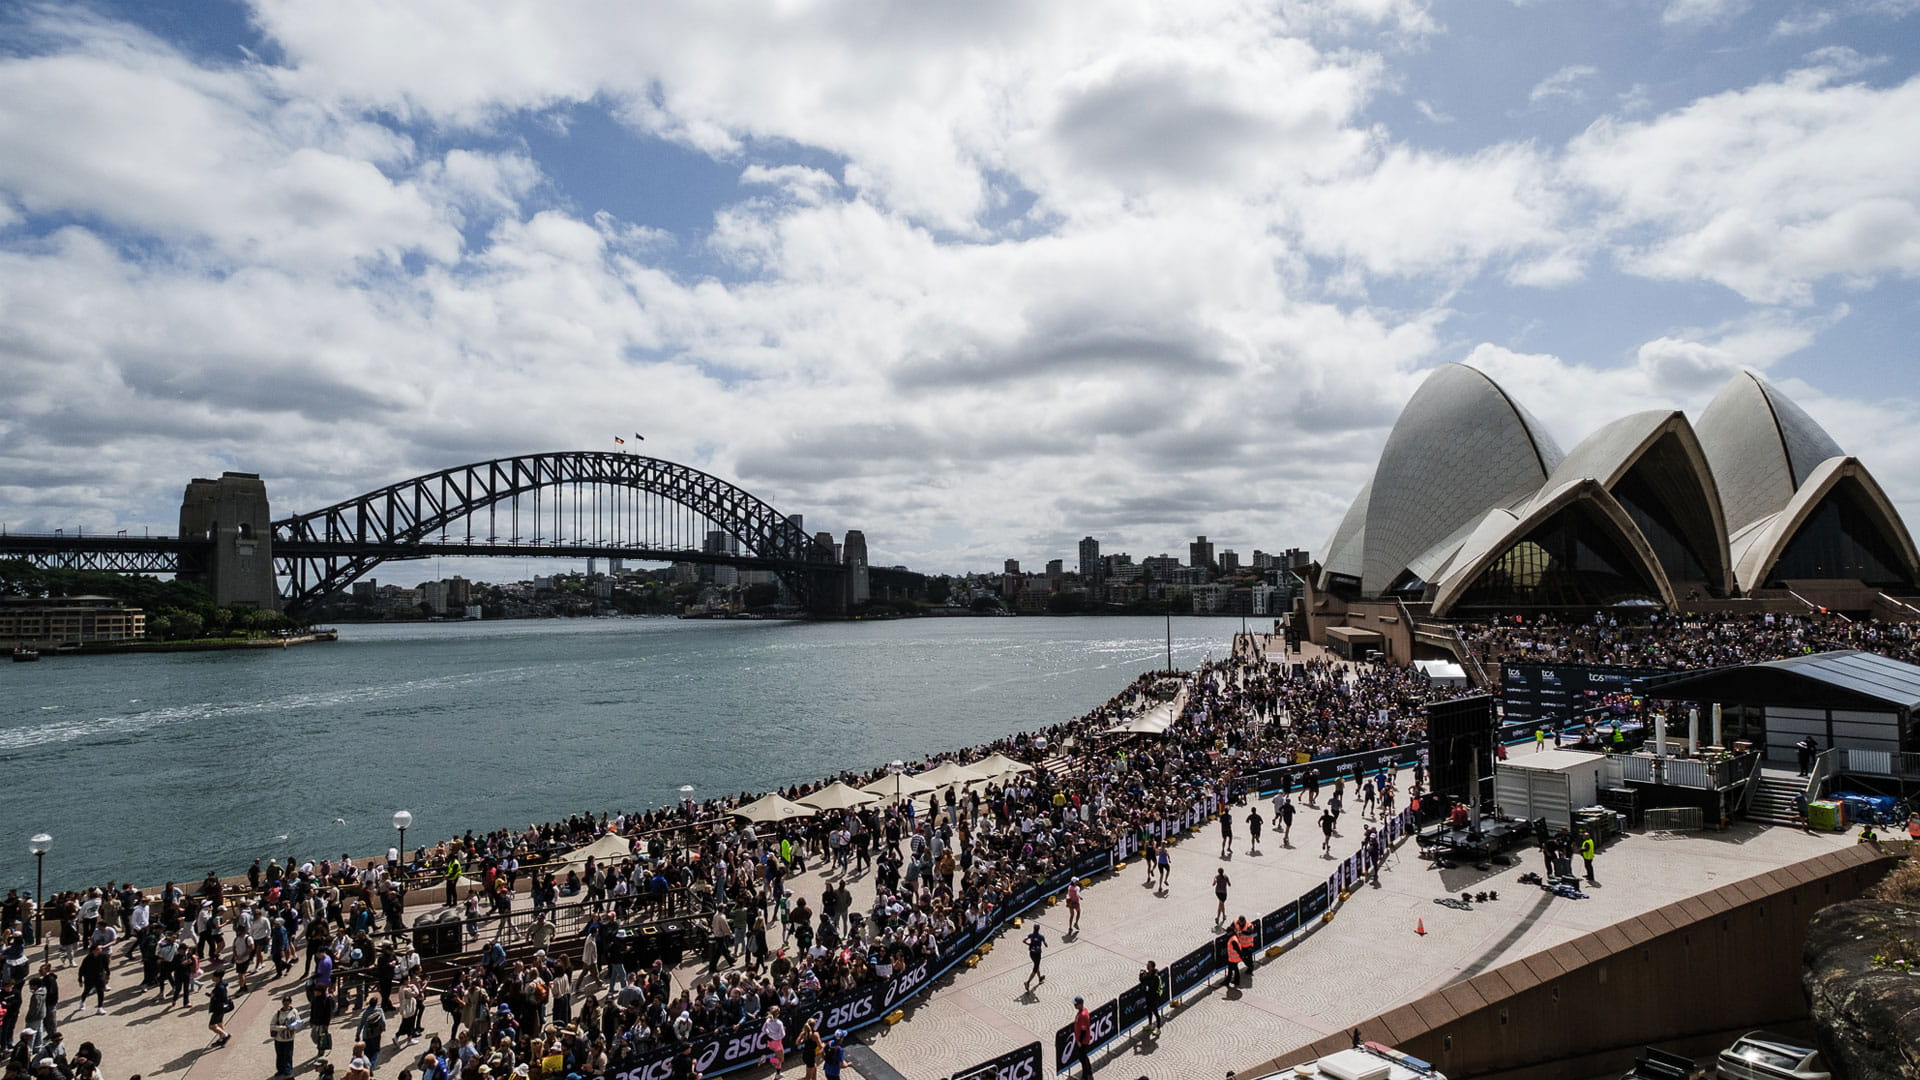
835	1057
286	1021
1083	1036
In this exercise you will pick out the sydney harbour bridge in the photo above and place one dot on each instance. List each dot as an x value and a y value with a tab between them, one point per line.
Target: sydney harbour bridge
568	504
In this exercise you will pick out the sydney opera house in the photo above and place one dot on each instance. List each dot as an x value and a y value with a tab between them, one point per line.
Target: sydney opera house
1473	509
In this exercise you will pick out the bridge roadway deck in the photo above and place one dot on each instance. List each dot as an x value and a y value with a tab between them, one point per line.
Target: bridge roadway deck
1364	962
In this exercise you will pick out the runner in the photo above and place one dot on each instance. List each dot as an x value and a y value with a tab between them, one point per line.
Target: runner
1073	907
1165	861
836	1056
1036	941
1226	833
776	1034
1220	883
1254	825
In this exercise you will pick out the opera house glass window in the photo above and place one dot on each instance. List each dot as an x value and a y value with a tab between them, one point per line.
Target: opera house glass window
1841	540
1571	561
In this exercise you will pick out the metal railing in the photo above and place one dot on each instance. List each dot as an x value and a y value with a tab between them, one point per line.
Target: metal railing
1717	775
1675	819
1744	803
1824	767
1473	661
1894	601
1687	773
1842	759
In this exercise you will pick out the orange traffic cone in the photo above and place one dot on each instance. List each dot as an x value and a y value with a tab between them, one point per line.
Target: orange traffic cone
1420	927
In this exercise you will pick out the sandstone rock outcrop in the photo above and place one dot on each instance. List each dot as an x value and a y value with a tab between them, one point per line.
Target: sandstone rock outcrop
1866	1010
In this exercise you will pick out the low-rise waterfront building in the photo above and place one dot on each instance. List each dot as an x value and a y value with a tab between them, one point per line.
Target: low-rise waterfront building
63	619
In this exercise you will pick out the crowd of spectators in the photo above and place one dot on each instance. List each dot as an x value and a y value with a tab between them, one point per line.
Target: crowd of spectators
903	880
1683	642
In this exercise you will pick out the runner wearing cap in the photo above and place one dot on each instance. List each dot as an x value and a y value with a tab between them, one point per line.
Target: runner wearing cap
836	1055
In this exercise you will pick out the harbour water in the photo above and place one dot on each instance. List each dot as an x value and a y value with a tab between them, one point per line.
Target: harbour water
170	765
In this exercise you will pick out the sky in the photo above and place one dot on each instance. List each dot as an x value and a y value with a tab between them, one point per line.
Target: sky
978	278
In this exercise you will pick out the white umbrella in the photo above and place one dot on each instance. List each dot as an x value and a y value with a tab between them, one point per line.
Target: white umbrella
609	848
773	808
897	786
838	796
999	765
948	774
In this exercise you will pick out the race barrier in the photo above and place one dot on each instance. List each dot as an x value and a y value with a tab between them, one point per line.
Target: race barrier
1196	969
1022	1064
744	1045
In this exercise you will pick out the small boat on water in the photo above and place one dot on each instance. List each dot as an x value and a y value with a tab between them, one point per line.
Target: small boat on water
23	654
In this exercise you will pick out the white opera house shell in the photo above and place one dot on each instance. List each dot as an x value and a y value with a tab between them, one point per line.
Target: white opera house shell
1473	507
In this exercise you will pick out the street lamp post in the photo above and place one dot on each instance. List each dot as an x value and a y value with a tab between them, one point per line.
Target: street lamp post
402	819
40	844
1169	632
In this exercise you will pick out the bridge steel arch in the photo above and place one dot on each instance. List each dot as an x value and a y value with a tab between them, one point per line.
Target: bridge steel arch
322	551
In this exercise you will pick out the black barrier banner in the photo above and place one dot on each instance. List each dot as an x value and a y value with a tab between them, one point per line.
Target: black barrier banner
1137	1002
1102	1027
1312	903
1093	862
848	1011
1278	924
1192	969
1021	1064
712	1055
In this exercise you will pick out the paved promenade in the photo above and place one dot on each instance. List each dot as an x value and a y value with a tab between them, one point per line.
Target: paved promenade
1365	961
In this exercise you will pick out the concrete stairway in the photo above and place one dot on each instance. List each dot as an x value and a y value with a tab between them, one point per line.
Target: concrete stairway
1775	802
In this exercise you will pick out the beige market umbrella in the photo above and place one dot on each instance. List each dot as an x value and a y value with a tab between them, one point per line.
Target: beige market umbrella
947	774
773	808
1000	765
838	796
897	786
609	848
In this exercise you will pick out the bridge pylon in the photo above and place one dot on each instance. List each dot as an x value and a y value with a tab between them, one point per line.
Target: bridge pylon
232	515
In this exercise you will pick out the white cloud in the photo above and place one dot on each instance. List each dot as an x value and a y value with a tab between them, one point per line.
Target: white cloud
798	182
1803	22
1412	212
115	126
1765	190
990	273
1702	12
1568	85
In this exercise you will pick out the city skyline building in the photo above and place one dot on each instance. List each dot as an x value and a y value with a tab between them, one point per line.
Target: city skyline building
1200	552
1089	559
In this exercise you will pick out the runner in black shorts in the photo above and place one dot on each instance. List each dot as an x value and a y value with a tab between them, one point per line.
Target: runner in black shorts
1036	941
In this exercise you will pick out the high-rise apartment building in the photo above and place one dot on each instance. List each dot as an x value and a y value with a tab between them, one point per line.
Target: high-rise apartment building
1089	559
1200	552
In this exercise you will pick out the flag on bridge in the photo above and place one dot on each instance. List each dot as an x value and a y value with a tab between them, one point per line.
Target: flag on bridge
620	440
639	436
